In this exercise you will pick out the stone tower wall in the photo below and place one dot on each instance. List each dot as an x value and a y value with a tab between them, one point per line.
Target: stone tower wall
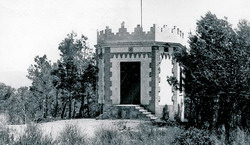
148	48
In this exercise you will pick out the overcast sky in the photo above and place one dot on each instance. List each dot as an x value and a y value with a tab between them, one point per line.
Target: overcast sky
36	27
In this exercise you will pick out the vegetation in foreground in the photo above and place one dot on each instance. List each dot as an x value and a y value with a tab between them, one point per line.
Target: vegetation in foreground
143	135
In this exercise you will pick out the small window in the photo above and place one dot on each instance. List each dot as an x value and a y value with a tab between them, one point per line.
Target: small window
130	49
166	49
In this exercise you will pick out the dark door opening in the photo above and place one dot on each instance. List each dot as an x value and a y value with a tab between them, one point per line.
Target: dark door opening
130	82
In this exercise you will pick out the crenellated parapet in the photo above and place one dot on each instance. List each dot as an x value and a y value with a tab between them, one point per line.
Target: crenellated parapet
159	34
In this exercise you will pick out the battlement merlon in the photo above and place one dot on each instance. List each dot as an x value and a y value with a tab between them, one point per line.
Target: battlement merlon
159	34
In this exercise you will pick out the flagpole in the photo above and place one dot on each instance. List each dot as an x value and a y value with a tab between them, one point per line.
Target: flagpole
141	13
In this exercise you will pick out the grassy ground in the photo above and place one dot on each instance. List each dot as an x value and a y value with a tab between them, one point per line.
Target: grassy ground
88	126
111	132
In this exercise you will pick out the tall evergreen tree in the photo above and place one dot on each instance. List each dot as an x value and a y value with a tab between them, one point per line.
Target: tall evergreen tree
216	73
75	58
42	86
5	93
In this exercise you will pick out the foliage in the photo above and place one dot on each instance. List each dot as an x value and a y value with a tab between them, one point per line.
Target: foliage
218	136
5	135
22	107
65	88
5	93
105	136
42	86
172	81
76	77
121	134
240	136
143	135
216	72
71	135
33	135
194	136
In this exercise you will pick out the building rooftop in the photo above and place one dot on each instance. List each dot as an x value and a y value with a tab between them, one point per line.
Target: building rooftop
155	34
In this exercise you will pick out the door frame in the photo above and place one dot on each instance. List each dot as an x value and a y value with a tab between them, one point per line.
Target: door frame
140	80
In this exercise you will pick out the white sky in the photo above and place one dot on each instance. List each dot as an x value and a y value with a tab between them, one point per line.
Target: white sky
36	27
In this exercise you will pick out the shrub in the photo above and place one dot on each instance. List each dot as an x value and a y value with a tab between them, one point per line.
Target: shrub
5	136
155	135
240	137
121	134
33	135
105	136
143	135
71	135
194	136
165	113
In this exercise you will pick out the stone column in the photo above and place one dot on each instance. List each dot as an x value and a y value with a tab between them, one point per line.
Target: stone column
153	106
107	81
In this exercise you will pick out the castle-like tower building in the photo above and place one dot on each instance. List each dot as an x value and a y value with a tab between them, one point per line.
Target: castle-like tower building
133	70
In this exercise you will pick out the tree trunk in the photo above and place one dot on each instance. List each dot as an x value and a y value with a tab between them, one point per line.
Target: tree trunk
46	104
56	105
45	107
82	106
70	104
88	107
63	111
74	105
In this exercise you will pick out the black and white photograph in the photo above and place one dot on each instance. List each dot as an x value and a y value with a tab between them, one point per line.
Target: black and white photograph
124	72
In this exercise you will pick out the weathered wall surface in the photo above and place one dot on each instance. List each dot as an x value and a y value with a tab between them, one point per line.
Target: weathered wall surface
178	97
165	93
100	83
144	59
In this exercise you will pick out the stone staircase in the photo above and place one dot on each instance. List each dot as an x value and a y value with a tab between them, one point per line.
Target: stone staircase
145	112
128	112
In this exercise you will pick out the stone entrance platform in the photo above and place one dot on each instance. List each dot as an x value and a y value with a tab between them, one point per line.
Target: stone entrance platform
127	112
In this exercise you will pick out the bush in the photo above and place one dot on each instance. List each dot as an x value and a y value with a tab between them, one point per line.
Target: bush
5	136
121	134
143	135
33	135
240	137
155	135
105	136
194	136
71	135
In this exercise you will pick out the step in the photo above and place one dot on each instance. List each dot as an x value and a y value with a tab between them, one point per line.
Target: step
146	113
138	107
153	118
143	110
142	113
128	105
150	115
